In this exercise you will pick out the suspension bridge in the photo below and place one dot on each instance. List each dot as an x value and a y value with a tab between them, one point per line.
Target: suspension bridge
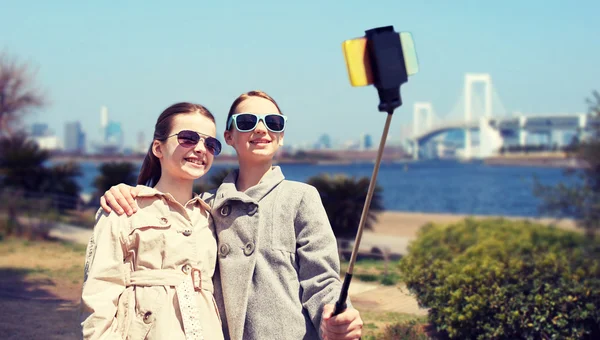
479	127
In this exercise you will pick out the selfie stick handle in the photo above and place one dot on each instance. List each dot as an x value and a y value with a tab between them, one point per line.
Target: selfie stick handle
389	73
340	305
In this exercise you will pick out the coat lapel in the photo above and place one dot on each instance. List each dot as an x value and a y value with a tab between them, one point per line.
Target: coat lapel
227	190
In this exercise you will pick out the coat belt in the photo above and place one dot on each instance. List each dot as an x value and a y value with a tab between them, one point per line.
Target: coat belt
166	277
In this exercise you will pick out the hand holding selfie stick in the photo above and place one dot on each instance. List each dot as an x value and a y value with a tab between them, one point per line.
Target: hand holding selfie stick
383	58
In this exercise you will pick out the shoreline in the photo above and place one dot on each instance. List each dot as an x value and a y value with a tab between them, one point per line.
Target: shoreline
550	159
525	160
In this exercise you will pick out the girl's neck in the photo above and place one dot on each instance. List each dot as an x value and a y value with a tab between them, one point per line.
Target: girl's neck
181	190
250	174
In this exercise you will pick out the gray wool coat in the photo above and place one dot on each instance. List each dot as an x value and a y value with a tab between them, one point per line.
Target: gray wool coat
278	262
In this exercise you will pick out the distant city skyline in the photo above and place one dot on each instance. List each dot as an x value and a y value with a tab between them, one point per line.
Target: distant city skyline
541	55
75	140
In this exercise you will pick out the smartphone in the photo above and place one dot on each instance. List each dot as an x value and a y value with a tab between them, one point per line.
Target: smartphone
359	65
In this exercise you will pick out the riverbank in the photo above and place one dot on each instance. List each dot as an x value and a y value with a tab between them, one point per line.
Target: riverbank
541	159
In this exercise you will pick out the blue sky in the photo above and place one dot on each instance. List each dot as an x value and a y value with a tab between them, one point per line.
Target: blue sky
138	57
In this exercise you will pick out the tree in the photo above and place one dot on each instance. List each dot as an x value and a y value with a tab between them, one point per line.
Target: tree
343	198
21	163
580	197
24	169
18	93
113	173
213	182
61	181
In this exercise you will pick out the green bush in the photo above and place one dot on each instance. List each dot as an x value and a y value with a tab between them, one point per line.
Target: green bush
498	279
367	277
390	279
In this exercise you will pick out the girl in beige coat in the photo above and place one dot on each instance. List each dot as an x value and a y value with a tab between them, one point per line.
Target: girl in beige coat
149	276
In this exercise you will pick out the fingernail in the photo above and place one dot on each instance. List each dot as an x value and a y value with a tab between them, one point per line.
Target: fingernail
120	211
129	212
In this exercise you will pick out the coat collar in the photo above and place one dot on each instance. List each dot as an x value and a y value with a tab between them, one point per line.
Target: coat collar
150	192
228	191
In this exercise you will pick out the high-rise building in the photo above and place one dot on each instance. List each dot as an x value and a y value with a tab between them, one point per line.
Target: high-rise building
103	117
324	142
142	146
74	138
366	142
39	130
41	134
49	142
113	134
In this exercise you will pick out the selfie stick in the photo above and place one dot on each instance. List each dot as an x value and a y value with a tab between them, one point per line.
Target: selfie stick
386	58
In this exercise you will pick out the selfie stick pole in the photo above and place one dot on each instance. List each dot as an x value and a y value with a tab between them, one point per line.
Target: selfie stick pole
389	72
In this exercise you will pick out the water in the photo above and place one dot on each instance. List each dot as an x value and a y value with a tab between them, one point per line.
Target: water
430	187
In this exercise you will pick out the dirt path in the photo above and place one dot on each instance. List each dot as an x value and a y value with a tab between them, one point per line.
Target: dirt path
40	287
375	297
38	310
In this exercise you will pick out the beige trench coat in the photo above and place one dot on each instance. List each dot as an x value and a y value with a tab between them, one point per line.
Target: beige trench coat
149	276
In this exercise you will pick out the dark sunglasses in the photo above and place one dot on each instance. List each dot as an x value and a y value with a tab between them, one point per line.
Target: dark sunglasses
245	122
189	139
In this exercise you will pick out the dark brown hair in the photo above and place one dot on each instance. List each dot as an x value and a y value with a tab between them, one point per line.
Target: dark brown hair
150	171
245	96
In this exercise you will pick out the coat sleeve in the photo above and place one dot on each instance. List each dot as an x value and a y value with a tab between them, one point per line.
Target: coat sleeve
317	256
104	278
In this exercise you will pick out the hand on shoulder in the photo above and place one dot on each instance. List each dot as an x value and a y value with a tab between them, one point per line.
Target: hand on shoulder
120	198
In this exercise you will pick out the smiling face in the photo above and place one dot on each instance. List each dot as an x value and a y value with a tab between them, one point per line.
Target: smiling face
260	144
182	163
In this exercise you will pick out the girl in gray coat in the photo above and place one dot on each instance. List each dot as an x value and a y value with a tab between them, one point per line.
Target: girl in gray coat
278	267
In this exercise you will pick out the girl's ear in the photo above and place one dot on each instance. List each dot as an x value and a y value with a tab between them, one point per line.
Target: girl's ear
281	140
157	149
228	137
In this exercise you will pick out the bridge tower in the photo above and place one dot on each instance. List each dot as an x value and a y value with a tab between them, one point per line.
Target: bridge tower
420	108
470	80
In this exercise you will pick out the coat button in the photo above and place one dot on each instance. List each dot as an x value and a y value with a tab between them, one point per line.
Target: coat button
148	317
252	208
186	269
187	232
226	210
249	248
224	249
163	220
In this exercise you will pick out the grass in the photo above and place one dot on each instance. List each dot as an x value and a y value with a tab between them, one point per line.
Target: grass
43	259
369	270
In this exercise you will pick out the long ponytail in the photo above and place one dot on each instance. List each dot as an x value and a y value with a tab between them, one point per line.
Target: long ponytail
150	171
